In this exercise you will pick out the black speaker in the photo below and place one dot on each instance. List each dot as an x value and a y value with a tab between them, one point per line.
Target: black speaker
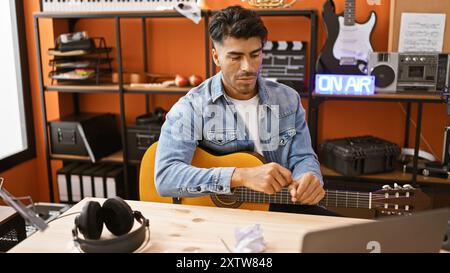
119	218
144	133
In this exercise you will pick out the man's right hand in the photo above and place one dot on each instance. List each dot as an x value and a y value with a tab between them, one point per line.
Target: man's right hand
268	178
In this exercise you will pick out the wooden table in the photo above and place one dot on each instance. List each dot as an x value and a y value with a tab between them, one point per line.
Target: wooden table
183	228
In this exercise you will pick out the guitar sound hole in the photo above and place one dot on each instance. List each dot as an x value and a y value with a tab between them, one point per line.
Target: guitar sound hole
225	201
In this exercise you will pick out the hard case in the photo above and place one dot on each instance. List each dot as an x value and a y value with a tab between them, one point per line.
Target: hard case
140	138
355	156
95	135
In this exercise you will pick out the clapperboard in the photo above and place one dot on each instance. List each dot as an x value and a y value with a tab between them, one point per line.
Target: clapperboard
284	62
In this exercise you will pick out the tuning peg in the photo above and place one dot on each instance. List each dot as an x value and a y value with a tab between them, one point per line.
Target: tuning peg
386	187
408	187
397	187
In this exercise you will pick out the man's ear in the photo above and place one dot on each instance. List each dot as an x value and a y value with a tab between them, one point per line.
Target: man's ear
215	56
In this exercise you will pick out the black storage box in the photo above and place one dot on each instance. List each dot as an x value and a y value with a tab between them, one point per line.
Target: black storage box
359	155
140	138
94	135
84	44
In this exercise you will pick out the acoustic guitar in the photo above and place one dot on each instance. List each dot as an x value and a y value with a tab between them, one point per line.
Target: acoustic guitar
348	43
399	200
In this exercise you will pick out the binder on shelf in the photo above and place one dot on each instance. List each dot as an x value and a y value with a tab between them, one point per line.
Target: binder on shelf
63	180
75	182
114	182
87	179
99	180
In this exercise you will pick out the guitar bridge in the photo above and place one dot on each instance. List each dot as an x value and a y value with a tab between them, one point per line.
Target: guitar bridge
347	61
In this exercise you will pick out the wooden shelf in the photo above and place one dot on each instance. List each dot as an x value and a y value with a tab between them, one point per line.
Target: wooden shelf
157	90
433	180
116	157
101	88
395	175
390	176
114	88
163	13
77	53
420	96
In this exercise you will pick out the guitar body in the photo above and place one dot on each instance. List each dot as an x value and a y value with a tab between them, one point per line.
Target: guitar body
345	42
202	159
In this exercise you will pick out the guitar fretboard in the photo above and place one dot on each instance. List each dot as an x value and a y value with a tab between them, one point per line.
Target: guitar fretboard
349	13
333	198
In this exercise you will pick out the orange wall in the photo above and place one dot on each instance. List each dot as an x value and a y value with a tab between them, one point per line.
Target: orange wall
176	46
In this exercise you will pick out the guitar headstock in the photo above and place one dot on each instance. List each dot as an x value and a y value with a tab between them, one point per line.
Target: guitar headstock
399	200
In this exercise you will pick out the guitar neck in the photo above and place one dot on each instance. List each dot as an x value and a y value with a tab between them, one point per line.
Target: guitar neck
334	198
349	13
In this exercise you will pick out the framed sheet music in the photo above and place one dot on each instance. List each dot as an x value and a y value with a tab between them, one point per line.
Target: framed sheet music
407	6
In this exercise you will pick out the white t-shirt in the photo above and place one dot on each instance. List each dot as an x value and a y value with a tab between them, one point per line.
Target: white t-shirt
248	112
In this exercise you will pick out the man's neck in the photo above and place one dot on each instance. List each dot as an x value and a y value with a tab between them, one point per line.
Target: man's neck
233	93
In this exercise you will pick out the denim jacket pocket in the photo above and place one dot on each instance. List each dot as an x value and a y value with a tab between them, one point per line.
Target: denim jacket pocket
286	136
221	136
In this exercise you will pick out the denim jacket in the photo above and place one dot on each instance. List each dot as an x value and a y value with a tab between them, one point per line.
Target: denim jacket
205	117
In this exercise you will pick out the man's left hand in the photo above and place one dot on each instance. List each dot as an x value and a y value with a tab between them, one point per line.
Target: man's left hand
307	190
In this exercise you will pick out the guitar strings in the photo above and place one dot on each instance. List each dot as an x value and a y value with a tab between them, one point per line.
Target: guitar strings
328	193
351	198
241	189
347	202
288	197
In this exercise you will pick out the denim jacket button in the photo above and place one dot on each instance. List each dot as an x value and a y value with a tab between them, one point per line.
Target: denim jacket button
198	188
220	187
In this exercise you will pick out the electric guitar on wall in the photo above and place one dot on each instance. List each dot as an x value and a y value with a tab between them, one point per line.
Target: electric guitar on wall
348	43
390	201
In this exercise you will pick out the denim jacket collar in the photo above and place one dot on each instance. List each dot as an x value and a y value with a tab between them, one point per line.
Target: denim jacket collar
218	89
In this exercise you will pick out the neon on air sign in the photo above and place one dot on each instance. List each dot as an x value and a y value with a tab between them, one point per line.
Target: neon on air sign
345	84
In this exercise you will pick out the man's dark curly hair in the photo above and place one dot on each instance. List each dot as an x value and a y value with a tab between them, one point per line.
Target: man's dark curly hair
236	22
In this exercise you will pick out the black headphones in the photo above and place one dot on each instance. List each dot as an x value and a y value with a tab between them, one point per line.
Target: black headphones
118	217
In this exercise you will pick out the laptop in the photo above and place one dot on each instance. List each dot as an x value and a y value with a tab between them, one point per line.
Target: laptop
420	232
